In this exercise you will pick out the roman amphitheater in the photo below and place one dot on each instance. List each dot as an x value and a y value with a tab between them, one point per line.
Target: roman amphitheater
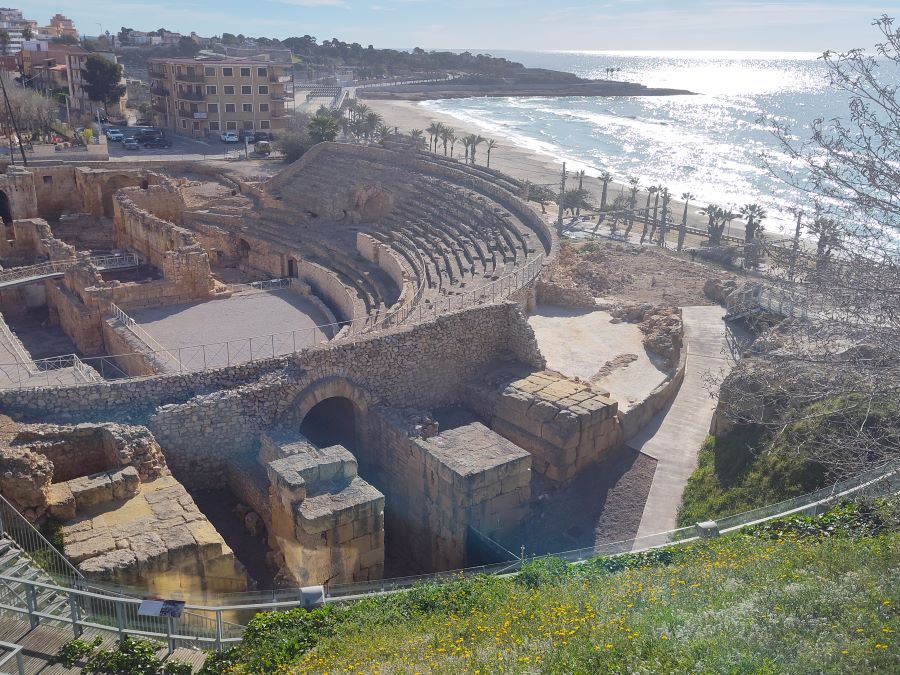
323	377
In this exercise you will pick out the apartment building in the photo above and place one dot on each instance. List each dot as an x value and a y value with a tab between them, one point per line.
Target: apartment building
207	96
15	25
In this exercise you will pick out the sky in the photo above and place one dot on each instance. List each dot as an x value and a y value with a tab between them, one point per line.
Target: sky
534	25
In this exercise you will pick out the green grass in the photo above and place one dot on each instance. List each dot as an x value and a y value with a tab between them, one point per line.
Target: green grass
801	595
741	471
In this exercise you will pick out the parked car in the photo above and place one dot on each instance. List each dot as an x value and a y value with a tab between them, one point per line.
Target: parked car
114	134
158	142
131	144
145	135
263	136
230	137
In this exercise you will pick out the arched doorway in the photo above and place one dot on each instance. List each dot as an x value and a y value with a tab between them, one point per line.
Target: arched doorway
109	189
5	209
331	422
243	250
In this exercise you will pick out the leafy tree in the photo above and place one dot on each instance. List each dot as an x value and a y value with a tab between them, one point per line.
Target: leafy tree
65	40
103	80
292	144
187	47
4	41
323	128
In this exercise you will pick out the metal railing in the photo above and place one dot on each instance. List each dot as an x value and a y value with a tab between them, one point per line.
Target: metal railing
155	347
18	351
203	357
207	625
58	267
13	652
264	285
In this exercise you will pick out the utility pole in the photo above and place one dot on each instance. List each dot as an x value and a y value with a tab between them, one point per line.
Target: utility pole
562	200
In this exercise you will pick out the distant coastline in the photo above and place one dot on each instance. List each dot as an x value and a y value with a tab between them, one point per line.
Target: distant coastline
448	90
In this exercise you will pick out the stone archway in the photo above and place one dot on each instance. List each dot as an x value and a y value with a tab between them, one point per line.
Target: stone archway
5	209
332	422
243	250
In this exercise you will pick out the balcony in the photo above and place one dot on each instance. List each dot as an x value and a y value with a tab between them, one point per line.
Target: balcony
280	96
279	78
186	77
187	95
160	106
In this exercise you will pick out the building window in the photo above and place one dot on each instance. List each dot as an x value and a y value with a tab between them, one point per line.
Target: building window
230	126
213	126
229	89
48	180
246	90
227	72
262	72
184	124
212	107
245	72
248	124
196	126
263	107
263	89
264	124
210	90
247	107
229	107
209	71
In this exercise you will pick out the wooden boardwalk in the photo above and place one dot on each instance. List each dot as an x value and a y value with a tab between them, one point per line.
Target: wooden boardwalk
41	643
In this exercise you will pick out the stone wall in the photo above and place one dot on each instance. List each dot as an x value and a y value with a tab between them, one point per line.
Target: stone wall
18	185
81	322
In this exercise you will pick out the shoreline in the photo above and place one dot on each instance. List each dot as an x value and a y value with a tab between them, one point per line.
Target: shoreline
521	162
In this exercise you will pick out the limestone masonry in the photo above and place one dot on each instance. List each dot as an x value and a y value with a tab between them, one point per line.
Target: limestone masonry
390	441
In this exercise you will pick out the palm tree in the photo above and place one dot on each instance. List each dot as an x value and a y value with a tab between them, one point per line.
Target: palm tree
453	139
605	179
491	144
467	142
755	214
446	133
417	135
650	192
682	230
434	131
633	187
361	111
655	224
474	141
664	222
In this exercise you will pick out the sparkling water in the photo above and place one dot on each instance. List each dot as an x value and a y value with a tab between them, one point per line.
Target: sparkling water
708	144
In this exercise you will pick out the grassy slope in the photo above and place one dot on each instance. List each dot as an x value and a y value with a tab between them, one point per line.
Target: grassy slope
742	471
775	602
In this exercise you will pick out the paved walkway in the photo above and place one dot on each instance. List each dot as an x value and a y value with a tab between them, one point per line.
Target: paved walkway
675	435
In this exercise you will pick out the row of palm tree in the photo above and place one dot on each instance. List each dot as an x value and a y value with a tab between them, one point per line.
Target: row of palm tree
441	135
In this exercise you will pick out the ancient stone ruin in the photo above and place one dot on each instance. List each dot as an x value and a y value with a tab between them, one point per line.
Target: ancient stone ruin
411	417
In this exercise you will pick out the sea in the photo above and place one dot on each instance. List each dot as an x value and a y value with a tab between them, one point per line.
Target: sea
709	144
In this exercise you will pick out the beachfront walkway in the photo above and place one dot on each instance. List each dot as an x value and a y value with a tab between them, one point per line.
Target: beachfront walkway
675	435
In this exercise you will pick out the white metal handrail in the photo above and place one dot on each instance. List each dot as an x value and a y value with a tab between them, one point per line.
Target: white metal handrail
144	336
22	358
15	652
58	267
205	626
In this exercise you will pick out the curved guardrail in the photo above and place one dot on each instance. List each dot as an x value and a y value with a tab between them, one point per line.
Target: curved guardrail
211	625
197	358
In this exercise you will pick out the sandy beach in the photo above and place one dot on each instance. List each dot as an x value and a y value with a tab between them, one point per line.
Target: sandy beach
519	162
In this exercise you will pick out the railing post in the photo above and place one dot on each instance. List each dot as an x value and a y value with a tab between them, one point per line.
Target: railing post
273	344
218	630
75	614
169	639
251	350
120	617
20	663
30	603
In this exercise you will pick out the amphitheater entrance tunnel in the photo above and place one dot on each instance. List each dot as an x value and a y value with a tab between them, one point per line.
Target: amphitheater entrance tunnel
5	210
332	422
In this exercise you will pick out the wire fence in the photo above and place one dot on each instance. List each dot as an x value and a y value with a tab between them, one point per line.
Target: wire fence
217	622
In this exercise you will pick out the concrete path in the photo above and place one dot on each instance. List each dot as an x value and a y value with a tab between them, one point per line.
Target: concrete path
675	435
